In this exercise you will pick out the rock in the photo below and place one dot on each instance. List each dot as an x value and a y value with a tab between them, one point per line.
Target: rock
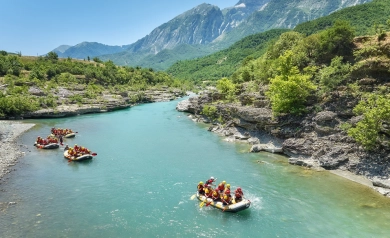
310	163
256	148
253	141
381	183
266	147
325	116
183	106
383	191
36	91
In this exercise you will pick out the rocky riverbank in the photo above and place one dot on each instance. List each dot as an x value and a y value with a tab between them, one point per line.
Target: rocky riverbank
9	148
315	141
108	101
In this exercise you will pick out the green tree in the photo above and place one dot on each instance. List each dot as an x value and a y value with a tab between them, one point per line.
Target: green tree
227	88
337	40
332	76
376	111
289	90
53	56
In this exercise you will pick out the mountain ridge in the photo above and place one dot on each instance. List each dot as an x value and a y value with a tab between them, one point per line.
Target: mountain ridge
208	25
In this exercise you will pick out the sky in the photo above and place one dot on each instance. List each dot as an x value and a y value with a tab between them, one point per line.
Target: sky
36	27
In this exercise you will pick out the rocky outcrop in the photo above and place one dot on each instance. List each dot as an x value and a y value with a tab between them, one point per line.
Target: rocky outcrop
315	140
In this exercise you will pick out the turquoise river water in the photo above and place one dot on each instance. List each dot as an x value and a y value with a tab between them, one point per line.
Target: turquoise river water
150	159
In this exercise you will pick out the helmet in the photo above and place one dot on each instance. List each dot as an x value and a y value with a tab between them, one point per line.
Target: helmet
238	189
224	182
228	185
212	177
200	182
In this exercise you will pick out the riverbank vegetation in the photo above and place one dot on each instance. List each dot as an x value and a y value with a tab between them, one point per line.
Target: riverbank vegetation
30	83
301	75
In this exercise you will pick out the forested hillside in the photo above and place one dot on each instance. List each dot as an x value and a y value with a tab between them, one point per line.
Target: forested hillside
225	62
365	19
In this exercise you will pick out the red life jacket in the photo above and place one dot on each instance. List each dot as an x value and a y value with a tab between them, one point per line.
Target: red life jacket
221	187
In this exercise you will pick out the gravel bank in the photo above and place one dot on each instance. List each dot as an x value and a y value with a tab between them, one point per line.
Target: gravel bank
9	149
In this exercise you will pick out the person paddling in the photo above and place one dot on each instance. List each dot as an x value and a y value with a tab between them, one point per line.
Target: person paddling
201	188
221	187
210	181
226	198
238	194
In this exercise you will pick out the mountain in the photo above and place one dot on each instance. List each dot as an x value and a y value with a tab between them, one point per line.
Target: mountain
61	49
279	14
216	29
87	49
363	18
198	26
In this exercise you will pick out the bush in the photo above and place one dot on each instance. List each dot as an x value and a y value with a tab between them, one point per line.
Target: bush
375	110
227	88
289	90
210	112
332	76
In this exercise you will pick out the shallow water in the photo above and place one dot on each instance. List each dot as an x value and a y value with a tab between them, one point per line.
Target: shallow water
150	159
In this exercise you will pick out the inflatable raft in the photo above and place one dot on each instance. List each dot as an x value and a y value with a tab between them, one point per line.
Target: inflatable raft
48	146
79	158
70	135
234	207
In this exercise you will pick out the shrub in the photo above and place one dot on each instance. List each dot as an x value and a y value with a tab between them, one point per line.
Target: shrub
375	110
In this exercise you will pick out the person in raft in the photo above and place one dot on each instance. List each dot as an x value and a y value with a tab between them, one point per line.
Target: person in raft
227	198
210	181
208	192
201	188
227	189
238	194
221	187
215	196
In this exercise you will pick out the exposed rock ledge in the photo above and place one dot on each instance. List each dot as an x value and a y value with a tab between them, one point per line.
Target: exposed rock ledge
106	103
314	141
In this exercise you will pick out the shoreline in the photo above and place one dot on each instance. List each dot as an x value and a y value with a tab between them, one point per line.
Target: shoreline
10	151
237	136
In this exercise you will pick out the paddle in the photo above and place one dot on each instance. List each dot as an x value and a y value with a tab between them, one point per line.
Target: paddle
226	207
94	154
203	202
193	197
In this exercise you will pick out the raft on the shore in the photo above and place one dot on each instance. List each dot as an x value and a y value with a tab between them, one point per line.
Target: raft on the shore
79	158
234	207
48	146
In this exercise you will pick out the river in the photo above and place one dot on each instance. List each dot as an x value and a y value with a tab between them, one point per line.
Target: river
149	160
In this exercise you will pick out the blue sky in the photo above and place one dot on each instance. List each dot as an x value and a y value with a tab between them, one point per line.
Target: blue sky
35	27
